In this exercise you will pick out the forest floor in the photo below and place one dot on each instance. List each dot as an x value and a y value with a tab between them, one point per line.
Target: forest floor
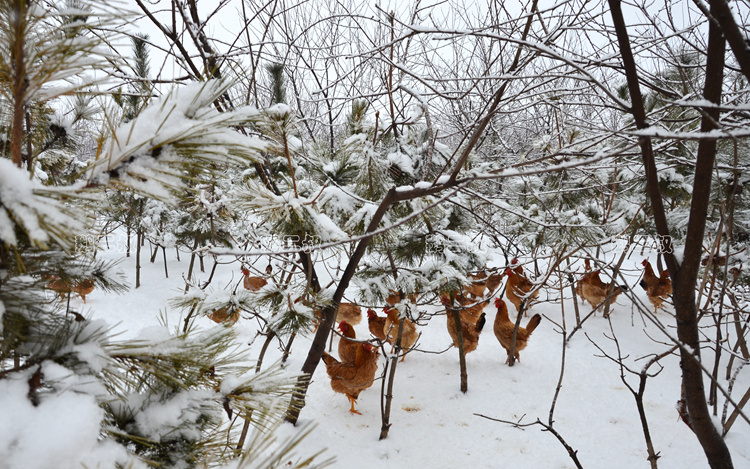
435	424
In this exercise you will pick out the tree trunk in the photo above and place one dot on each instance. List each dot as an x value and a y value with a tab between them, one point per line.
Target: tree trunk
138	235
386	411
685	276
164	255
153	254
192	265
20	80
288	347
461	350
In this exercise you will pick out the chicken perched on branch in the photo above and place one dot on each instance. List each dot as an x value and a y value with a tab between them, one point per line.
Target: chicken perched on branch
376	324
472	320
347	348
591	288
504	327
409	335
354	377
519	287
657	288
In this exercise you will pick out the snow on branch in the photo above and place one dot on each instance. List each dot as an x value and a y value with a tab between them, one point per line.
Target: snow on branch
35	210
178	134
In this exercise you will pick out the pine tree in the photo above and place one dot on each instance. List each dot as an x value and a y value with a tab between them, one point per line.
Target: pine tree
118	396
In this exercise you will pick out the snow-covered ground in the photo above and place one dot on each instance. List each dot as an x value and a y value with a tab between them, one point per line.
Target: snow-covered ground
434	424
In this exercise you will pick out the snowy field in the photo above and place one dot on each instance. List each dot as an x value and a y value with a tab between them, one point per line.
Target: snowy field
434	424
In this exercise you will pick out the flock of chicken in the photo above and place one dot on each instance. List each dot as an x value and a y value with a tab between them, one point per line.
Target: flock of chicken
355	369
357	365
65	287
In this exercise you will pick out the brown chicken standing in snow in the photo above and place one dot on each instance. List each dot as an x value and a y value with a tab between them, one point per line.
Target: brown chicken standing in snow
252	283
472	322
579	285
591	288
482	281
349	312
347	348
354	377
409	334
657	288
503	329
518	287
64	287
376	324
83	288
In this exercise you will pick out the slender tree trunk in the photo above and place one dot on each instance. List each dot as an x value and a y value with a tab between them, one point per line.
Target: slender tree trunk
575	297
386	413
722	13
18	25
211	275
461	349
713	398
685	276
653	456
192	264
138	235
288	348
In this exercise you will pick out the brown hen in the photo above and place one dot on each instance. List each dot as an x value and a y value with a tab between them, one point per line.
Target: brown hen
354	377
252	283
503	329
347	348
376	324
409	334
519	287
591	288
657	288
472	320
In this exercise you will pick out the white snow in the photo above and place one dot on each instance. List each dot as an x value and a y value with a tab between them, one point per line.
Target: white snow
59	432
433	423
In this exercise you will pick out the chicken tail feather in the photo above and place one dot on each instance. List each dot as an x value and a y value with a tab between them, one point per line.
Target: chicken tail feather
480	323
533	322
328	359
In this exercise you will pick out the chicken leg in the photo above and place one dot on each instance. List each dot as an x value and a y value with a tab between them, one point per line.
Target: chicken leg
353	401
